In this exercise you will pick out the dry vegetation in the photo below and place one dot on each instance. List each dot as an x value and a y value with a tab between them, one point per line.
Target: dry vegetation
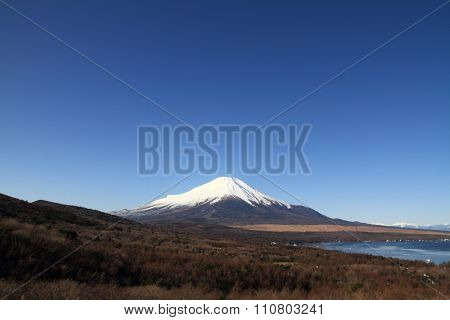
130	261
334	228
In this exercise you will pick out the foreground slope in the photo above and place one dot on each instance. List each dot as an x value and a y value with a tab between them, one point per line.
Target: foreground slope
92	255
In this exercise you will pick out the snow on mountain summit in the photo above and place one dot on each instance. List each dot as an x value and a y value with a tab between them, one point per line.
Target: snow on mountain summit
212	192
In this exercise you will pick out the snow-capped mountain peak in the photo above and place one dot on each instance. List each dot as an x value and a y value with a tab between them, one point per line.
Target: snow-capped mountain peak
219	189
224	200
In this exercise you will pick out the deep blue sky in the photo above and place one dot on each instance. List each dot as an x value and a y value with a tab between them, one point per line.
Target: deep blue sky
379	149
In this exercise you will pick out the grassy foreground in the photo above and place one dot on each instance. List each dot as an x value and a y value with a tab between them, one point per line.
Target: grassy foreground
131	261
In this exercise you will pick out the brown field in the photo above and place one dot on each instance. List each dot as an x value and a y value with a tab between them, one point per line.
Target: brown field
335	228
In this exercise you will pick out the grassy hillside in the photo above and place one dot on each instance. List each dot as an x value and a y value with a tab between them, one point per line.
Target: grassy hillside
110	258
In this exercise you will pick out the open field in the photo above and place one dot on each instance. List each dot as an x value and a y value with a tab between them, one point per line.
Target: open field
337	228
109	258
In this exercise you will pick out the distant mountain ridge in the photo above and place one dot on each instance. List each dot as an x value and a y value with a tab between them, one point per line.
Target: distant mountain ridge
407	225
229	201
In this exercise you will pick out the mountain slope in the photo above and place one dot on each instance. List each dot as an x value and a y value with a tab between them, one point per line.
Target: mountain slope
41	212
227	201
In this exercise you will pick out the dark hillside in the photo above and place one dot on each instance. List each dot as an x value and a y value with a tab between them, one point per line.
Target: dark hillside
41	212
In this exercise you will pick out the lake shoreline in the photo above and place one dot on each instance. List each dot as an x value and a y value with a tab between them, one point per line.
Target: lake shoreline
430	251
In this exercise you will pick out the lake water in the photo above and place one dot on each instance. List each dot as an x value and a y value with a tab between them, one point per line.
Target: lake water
434	251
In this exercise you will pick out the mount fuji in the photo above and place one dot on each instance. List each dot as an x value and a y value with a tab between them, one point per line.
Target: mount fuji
226	200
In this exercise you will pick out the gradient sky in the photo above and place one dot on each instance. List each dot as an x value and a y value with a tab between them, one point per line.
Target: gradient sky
379	148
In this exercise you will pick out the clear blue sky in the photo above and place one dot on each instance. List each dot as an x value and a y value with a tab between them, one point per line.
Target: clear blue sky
379	149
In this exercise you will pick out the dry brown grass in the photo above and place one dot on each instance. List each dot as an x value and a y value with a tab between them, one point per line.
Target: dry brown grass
334	228
131	261
72	290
